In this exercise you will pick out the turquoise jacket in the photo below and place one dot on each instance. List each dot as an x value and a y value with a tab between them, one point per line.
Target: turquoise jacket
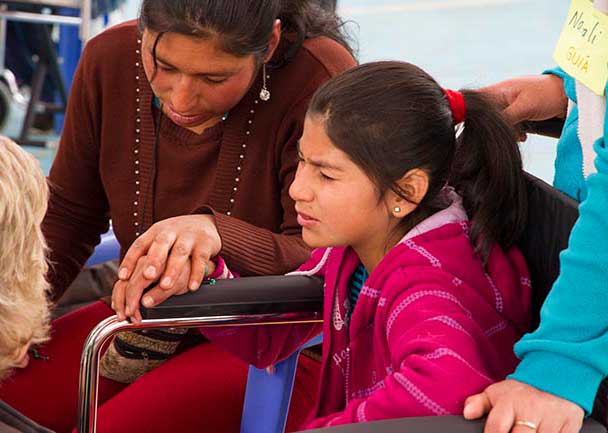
568	354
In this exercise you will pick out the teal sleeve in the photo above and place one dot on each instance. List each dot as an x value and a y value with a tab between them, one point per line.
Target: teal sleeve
568	354
569	82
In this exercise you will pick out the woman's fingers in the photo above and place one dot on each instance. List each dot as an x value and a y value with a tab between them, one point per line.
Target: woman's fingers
134	289
178	259
164	241
118	299
157	294
201	267
477	406
137	249
500	419
520	408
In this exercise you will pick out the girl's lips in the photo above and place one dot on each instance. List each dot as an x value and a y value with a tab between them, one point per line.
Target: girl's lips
306	220
186	121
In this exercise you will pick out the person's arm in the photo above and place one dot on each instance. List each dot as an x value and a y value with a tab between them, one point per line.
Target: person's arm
78	208
564	356
264	345
531	98
439	353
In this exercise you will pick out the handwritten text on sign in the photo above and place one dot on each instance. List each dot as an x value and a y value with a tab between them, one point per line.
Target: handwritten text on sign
582	49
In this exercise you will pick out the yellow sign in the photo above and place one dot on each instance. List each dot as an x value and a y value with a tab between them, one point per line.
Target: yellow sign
582	49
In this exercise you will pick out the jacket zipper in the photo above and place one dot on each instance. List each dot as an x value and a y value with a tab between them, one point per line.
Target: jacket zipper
347	376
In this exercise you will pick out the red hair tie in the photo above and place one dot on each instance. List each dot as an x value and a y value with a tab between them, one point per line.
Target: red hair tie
456	101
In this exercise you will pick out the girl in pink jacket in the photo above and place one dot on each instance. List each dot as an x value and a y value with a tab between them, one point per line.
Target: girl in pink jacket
425	293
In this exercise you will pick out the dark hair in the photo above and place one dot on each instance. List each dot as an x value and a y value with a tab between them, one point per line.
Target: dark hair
391	117
243	26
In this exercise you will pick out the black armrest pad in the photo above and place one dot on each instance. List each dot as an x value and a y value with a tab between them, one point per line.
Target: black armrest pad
435	424
249	295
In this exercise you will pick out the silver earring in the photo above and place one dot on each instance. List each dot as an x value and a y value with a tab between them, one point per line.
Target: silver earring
397	209
264	93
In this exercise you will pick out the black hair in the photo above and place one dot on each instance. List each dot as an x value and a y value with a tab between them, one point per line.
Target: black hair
244	26
392	117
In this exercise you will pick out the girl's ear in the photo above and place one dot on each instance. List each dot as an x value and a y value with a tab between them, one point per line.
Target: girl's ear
415	184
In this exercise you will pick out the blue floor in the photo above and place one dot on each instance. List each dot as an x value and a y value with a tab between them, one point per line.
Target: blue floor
463	43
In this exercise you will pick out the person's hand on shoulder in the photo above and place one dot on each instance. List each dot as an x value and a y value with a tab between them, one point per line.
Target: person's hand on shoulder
516	407
533	98
175	252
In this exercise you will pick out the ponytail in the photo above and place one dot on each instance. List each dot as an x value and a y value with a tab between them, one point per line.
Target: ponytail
487	172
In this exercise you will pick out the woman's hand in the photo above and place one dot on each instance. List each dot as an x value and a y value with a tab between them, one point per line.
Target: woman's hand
534	98
517	408
161	254
127	294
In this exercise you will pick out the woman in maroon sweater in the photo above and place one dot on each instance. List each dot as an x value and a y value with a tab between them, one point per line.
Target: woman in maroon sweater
184	129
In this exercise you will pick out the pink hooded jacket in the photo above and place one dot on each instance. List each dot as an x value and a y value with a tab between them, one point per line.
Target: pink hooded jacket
431	326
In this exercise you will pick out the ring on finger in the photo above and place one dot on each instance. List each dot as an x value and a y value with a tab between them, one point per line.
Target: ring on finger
529	424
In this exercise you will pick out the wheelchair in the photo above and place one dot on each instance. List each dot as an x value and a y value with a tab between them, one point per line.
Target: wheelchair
298	299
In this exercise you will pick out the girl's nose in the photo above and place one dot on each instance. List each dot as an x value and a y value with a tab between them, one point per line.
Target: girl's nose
300	187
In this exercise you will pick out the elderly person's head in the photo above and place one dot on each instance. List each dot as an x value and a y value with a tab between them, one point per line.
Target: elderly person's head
24	313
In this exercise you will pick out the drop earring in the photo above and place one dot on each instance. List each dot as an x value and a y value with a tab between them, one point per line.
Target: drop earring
264	93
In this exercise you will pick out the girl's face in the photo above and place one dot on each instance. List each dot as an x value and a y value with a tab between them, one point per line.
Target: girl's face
196	81
337	204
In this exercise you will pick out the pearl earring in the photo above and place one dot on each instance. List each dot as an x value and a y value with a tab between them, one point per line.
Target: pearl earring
397	209
264	93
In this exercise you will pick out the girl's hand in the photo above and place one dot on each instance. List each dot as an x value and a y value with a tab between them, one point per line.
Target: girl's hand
127	293
168	247
534	98
510	401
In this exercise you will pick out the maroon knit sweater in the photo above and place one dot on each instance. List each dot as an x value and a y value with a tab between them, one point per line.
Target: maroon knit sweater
240	169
